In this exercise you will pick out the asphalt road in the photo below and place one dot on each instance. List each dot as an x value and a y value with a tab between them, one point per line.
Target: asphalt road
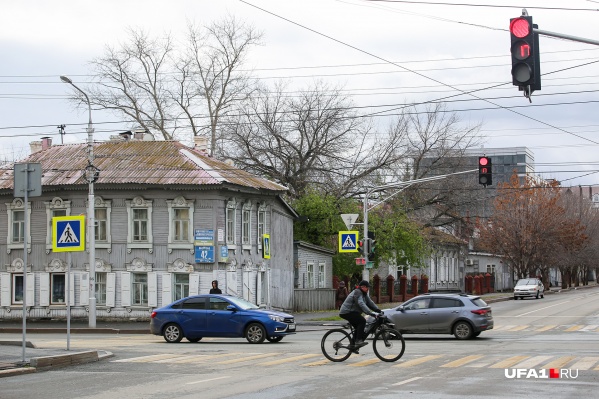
560	333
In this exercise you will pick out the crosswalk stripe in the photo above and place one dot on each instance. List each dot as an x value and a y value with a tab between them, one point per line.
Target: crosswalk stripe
365	362
509	362
318	363
178	359
546	328
245	359
415	362
518	328
559	362
503	328
287	360
589	328
574	328
148	358
462	361
533	361
585	363
202	358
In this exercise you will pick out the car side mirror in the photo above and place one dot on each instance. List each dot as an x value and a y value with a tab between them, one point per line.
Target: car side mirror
400	308
232	308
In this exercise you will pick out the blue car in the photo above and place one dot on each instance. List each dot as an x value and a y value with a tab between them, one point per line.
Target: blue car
201	316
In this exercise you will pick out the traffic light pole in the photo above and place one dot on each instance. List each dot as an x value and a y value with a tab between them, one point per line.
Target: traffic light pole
405	184
567	37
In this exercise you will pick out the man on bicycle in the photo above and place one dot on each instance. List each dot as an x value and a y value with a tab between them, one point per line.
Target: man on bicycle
358	301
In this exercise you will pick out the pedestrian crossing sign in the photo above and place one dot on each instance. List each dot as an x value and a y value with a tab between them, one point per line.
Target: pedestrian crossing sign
68	233
348	241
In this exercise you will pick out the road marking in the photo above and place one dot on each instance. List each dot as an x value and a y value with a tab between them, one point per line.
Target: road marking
502	328
365	362
462	361
559	362
546	307
287	360
509	362
202	358
519	328
546	328
574	328
533	361
179	359
415	362
149	358
245	359
589	328
585	363
210	379
407	381
318	363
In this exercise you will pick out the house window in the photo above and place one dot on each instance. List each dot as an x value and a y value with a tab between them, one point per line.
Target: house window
230	222
491	269
261	224
57	288
17	289
101	224
180	216
18	226
140	225
102	211
139	233
140	289
55	208
310	275
321	275
246	220
181	286
101	288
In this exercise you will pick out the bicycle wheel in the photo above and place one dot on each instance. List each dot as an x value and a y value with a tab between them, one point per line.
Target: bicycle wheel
388	345
335	344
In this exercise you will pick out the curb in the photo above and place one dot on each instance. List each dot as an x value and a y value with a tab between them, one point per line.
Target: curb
46	330
44	363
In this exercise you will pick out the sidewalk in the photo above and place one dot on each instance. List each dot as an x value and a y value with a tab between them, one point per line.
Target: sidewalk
38	359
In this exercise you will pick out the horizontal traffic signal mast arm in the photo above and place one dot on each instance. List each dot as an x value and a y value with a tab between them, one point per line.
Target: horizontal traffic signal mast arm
567	37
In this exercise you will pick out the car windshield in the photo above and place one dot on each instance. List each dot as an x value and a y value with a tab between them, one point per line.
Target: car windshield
242	303
527	281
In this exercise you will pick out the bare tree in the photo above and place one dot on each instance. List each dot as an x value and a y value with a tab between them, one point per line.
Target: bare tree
158	85
314	139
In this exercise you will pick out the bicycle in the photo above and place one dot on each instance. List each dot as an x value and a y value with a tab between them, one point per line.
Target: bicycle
337	345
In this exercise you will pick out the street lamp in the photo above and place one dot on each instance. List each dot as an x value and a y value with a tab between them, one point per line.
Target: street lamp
91	174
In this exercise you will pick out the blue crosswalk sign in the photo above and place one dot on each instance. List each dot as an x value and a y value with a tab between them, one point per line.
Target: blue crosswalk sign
68	233
348	241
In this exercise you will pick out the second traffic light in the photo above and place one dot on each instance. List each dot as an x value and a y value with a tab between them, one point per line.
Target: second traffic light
526	65
485	176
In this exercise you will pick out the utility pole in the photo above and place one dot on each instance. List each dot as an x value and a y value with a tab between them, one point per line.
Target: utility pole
61	132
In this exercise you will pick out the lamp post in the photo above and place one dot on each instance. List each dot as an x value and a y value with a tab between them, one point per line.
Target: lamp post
91	174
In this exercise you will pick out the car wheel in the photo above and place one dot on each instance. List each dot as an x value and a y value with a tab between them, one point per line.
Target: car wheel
515	298
543	295
194	340
462	330
274	339
255	333
172	333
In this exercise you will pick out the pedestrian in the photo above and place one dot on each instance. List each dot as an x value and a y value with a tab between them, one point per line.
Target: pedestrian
215	289
341	294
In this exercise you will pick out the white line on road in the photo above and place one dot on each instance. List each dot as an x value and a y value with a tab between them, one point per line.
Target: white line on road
407	381
546	307
210	379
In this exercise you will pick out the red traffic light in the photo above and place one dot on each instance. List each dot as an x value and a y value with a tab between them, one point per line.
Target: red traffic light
483	161
520	27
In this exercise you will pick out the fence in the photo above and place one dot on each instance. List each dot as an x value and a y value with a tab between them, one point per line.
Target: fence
305	300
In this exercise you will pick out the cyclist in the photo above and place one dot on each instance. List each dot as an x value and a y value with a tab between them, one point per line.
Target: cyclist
351	310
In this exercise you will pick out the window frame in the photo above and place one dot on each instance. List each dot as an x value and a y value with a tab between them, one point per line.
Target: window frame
310	274
321	274
138	203
246	226
56	207
101	204
231	224
14	286
17	205
54	302
174	205
184	286
143	290
260	224
100	287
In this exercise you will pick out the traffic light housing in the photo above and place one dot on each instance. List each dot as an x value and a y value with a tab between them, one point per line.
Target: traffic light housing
371	245
485	172
526	65
361	247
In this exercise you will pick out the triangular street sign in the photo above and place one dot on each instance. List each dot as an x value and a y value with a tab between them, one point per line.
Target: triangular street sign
68	235
349	219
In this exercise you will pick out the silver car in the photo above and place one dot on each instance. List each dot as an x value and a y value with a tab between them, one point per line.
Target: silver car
464	316
529	288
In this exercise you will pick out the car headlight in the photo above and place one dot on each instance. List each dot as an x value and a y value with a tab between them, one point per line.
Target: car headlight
276	318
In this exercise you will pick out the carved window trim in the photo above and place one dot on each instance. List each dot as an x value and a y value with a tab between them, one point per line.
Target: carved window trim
139	203
260	224
231	223
101	203
180	203
56	204
246	226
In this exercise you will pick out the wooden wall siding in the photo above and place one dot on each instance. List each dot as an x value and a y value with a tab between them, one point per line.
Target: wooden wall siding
304	256
277	282
313	300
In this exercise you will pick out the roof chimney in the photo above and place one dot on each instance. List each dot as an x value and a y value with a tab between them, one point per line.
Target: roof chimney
46	143
126	135
201	143
35	146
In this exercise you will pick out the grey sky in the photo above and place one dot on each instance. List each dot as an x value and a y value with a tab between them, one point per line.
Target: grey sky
465	47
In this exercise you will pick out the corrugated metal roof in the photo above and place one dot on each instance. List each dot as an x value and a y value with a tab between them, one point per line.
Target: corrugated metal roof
138	162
